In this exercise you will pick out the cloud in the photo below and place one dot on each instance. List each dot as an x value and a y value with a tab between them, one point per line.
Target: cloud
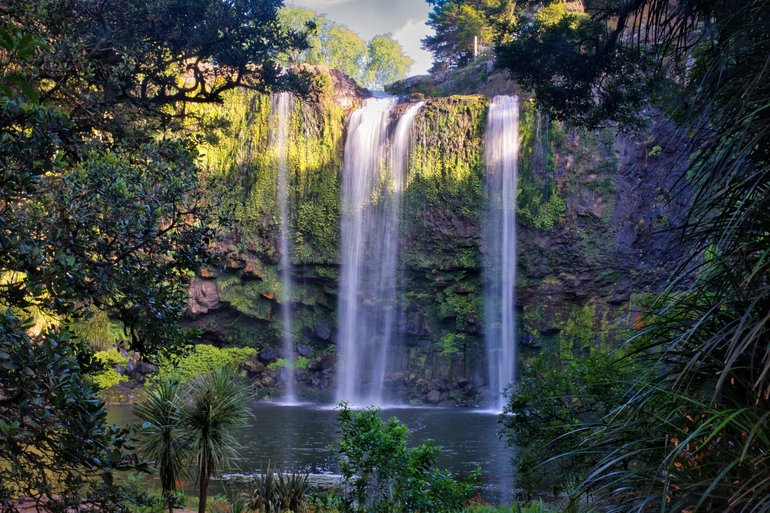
410	36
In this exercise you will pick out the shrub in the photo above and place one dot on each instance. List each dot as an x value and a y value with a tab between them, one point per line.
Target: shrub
200	360
110	357
108	379
276	491
383	474
553	408
300	363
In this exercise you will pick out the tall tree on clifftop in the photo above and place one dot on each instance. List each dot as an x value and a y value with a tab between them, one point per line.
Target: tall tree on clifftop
462	26
386	61
371	64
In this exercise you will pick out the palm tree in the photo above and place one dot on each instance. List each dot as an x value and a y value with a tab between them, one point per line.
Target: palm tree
161	439
213	404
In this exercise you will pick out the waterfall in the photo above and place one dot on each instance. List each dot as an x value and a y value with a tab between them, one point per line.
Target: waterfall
373	177
281	112
501	154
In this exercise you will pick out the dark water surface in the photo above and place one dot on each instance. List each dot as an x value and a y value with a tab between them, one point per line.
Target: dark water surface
298	437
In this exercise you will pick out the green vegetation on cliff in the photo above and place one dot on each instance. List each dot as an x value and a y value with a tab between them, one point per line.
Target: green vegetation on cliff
444	195
240	161
442	218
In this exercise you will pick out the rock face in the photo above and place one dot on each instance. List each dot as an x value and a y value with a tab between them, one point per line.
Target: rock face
615	242
594	216
203	296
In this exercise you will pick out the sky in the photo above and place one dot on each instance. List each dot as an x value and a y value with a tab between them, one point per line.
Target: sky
403	19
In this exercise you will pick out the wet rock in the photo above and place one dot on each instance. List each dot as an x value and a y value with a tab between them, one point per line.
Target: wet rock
323	330
204	296
268	355
415	82
138	371
254	366
146	368
529	340
234	265
303	349
434	396
413	323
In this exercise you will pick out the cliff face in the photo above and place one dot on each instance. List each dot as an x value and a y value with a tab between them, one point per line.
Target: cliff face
593	212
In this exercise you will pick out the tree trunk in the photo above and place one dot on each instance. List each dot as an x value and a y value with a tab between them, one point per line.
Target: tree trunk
203	479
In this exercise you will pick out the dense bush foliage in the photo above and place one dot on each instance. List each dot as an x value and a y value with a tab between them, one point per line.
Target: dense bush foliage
551	409
199	360
384	474
52	419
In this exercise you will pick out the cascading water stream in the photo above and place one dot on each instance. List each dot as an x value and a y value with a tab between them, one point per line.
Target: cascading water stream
364	159
372	182
389	280
501	155
281	112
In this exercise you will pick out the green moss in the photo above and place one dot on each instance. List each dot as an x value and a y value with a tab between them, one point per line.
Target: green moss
532	317
539	203
465	308
238	158
300	363
451	343
541	211
251	297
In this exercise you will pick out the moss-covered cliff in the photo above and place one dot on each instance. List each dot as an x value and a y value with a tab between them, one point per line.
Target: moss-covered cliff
588	207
